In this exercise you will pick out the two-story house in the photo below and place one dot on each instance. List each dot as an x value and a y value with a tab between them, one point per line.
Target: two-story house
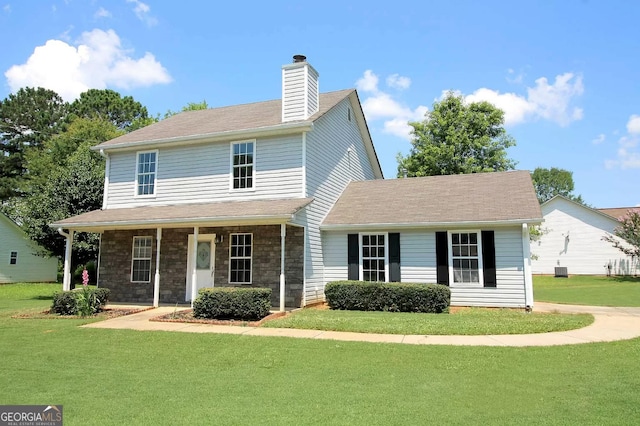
288	194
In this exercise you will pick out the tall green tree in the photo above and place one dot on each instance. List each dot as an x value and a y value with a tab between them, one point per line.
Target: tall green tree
629	231
457	137
124	112
28	118
554	181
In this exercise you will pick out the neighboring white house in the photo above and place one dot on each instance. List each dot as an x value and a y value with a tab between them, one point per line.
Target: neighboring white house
572	238
248	195
18	261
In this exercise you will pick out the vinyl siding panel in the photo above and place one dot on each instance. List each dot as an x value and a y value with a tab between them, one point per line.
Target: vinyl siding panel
583	252
293	107
329	168
201	173
29	267
509	291
418	264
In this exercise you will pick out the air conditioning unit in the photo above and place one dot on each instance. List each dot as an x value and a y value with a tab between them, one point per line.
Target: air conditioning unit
561	272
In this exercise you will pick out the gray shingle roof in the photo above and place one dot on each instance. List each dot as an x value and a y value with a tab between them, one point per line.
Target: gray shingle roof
471	198
253	116
146	217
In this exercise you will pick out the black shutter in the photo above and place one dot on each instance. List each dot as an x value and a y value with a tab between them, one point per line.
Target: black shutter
442	258
394	257
353	257
489	258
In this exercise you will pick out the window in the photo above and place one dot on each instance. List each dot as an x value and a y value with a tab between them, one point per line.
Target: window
374	258
146	172
465	257
141	259
13	260
240	250
242	156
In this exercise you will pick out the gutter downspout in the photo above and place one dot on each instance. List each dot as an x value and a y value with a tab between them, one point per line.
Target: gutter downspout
66	278
106	177
526	257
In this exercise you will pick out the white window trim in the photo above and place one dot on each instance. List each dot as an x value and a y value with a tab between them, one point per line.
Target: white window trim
478	233
386	254
12	257
133	258
240	257
155	176
253	168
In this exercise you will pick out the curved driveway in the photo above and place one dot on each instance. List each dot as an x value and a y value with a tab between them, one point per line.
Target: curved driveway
610	324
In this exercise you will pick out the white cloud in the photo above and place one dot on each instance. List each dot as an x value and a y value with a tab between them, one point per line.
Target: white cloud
599	139
96	61
399	82
515	78
102	13
628	154
6	8
380	105
633	125
543	101
142	11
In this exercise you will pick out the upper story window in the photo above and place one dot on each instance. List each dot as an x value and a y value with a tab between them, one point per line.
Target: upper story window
465	257
13	260
242	164
146	170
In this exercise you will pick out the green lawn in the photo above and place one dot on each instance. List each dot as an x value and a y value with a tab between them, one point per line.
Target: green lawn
114	377
467	322
588	290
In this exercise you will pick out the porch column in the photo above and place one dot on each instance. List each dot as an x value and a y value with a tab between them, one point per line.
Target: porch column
66	277
194	257
283	234
156	279
528	281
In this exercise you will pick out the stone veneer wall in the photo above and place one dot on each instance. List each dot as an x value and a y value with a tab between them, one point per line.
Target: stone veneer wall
115	263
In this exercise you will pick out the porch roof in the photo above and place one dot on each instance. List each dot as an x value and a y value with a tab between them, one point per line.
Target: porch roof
273	211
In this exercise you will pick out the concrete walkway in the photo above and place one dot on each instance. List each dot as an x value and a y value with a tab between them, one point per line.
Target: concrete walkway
610	324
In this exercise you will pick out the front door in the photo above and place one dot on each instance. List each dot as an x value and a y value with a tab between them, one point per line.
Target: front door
205	259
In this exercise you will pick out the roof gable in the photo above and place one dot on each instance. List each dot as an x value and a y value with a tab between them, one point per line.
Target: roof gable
499	197
547	205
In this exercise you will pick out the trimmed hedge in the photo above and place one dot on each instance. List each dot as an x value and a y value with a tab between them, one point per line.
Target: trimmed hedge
392	297
66	302
238	303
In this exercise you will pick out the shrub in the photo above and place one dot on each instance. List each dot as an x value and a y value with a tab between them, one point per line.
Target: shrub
68	302
393	297
247	304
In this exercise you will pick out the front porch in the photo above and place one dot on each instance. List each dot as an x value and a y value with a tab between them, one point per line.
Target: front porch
265	261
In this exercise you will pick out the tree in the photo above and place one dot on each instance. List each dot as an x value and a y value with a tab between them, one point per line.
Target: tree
68	180
27	119
124	112
191	106
551	182
69	190
629	231
456	137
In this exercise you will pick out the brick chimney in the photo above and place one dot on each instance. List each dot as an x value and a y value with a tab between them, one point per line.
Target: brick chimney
300	91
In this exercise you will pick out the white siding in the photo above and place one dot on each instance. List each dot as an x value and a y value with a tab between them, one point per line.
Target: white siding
299	91
418	264
509	291
201	173
329	167
583	252
29	267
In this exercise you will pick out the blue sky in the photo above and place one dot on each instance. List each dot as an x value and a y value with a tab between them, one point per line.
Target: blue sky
565	72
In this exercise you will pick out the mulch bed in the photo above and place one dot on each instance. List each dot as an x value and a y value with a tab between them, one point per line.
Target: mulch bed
106	314
186	315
